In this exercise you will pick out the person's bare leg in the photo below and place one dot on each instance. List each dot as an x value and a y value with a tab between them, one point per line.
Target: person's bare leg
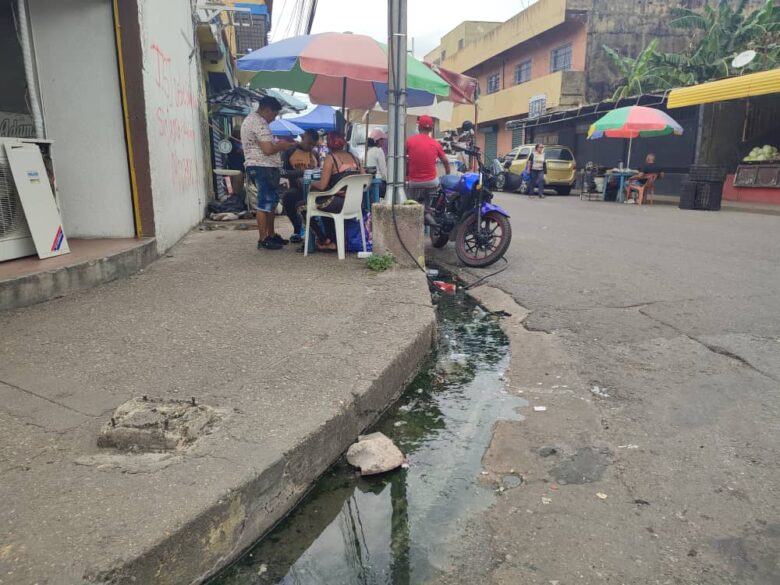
262	224
269	223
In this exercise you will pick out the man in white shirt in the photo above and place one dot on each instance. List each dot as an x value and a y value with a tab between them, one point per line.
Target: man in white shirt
263	163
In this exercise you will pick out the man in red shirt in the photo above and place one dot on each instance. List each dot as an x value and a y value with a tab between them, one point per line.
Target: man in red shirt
422	150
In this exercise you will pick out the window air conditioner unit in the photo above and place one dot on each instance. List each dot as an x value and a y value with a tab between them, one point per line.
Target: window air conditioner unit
15	238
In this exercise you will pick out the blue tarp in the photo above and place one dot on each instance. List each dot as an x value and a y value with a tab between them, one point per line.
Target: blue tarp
255	9
320	118
285	128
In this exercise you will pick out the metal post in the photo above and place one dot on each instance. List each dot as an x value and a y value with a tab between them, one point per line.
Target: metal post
29	69
343	106
396	66
628	160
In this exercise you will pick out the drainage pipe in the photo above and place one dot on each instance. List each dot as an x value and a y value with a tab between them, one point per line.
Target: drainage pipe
29	69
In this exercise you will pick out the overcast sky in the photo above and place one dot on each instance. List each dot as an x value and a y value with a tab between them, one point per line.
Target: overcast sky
428	20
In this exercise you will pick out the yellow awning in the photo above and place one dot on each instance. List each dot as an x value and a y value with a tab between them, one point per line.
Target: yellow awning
733	88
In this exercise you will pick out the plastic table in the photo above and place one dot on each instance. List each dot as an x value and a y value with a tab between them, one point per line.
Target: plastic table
622	176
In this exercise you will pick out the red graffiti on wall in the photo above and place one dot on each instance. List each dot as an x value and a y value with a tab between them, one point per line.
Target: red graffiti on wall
175	119
183	171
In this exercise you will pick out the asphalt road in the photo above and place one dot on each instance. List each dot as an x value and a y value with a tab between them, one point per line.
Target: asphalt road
653	339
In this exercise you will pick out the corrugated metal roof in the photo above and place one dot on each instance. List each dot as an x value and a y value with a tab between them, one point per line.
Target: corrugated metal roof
733	88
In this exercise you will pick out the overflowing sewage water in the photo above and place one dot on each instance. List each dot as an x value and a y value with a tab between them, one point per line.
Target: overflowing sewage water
396	529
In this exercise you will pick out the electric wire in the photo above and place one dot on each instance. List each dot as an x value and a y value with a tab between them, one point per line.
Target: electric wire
484	278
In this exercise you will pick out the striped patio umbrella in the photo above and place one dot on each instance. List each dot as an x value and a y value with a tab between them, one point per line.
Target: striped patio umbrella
634	122
338	69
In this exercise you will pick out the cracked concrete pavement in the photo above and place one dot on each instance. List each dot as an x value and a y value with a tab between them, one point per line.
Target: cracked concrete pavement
296	355
652	336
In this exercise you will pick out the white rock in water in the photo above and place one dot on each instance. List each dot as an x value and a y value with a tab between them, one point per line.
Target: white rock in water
374	453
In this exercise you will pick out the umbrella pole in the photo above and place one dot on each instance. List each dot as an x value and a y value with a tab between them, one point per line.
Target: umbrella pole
365	146
344	104
628	160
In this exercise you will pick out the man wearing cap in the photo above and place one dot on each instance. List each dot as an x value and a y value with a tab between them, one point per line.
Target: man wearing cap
422	151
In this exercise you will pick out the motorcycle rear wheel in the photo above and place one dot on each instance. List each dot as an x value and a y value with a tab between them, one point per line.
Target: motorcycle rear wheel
484	246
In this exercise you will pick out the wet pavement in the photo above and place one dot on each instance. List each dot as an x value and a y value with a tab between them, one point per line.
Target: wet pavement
651	339
398	528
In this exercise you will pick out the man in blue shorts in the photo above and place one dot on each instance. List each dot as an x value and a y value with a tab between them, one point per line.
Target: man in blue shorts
263	162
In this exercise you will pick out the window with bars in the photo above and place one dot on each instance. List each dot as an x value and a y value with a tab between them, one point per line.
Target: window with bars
560	58
461	43
494	83
250	32
523	72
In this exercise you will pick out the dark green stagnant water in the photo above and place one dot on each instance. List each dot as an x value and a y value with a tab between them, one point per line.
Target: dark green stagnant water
397	528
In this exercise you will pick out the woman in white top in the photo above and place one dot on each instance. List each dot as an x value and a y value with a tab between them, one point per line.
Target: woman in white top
375	157
537	166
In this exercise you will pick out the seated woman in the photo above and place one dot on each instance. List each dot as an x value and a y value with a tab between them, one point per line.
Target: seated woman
338	164
294	163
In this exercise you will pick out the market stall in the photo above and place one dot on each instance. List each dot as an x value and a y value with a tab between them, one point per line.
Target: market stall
740	126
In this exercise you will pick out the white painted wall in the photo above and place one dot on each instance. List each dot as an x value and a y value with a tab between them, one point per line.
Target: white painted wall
77	68
172	90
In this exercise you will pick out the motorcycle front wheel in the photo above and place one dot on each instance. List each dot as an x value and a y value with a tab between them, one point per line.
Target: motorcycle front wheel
482	245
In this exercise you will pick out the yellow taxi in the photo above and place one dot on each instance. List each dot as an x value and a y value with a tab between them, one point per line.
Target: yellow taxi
561	167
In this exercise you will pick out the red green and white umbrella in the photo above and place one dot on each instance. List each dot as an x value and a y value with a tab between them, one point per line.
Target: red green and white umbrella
338	69
634	122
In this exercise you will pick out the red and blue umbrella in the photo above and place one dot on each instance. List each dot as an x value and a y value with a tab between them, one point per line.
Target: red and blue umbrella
338	69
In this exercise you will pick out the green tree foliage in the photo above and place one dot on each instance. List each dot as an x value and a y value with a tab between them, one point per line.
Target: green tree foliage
718	32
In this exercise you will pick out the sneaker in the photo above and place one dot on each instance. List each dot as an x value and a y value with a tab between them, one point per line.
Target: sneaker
295	239
279	240
269	244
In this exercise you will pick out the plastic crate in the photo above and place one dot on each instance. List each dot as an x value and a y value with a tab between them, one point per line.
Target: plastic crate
688	195
708	196
707	173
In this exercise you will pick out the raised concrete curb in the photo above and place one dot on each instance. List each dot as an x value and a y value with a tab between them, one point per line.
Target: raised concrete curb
207	543
297	355
57	282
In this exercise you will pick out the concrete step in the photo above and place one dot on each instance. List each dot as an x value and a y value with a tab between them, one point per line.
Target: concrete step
28	281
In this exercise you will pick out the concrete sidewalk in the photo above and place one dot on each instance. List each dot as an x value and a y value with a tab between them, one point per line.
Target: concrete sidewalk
296	355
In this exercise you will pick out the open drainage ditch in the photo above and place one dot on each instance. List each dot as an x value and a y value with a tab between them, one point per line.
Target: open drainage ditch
397	528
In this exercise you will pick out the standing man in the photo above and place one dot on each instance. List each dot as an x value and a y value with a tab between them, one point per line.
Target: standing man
422	151
263	162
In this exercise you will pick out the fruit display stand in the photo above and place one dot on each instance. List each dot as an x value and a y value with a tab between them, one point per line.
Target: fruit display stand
755	182
757	178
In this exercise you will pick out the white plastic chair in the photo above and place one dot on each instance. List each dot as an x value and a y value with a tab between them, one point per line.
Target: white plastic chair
353	200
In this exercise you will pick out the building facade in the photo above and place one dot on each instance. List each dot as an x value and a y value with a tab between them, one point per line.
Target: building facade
118	89
550	57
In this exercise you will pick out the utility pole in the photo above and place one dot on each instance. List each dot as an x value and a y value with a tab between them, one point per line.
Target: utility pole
396	101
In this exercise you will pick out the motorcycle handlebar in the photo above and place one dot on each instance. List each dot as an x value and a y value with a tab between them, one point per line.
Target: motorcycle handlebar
466	150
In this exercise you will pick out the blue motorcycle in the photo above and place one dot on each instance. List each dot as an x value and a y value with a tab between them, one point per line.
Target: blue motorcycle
464	213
